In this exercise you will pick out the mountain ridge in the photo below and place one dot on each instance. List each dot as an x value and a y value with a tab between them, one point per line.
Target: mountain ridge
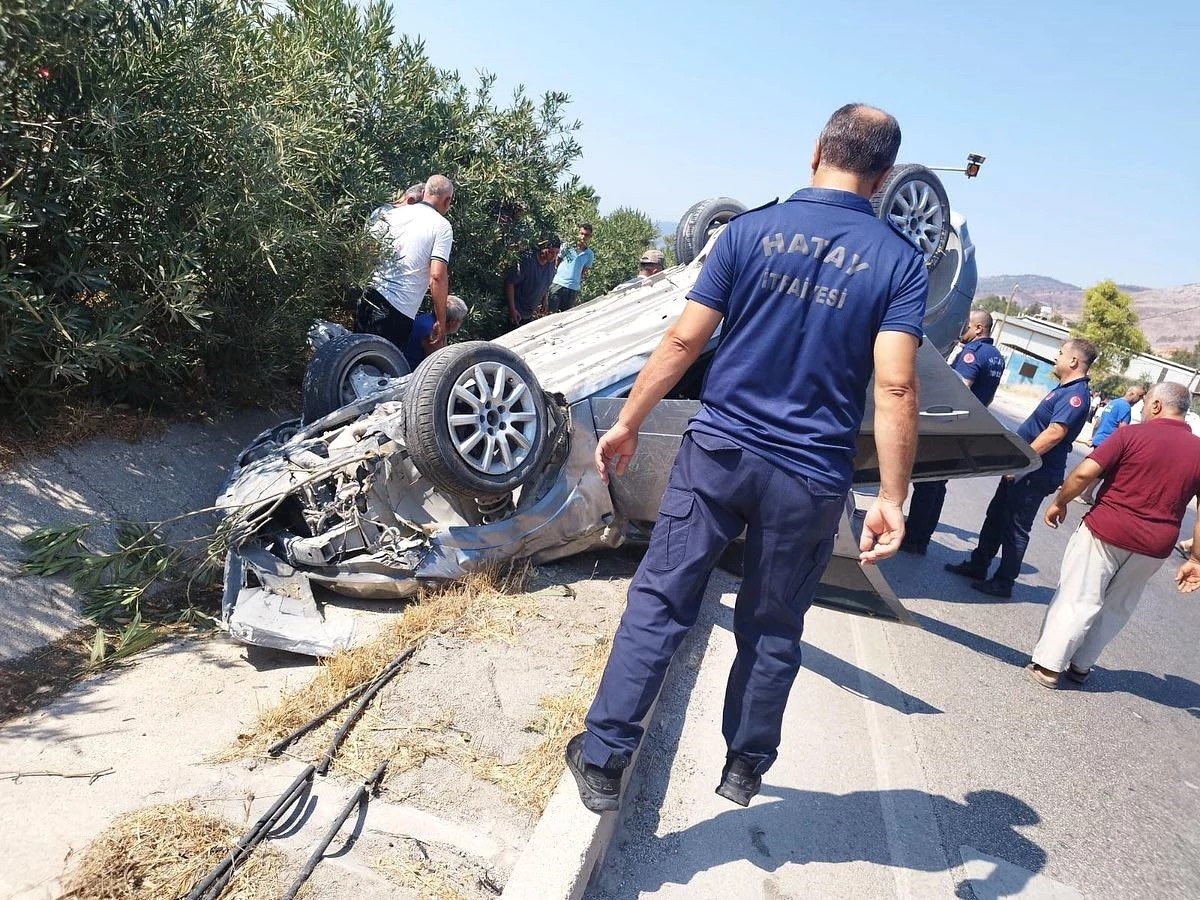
1170	316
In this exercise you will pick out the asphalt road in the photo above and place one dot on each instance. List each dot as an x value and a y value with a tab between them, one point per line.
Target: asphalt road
920	762
1112	772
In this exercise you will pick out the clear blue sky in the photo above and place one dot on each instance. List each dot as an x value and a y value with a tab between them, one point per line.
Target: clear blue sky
1088	112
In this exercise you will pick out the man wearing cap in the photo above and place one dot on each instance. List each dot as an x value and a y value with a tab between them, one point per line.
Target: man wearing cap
980	366
1050	429
526	283
649	263
812	296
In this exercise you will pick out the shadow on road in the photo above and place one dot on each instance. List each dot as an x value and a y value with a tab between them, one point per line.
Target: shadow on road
1172	691
801	827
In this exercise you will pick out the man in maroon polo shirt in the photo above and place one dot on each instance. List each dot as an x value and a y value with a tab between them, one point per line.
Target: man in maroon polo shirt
1151	473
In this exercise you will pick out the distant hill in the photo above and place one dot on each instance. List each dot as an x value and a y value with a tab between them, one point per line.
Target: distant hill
1170	316
1002	284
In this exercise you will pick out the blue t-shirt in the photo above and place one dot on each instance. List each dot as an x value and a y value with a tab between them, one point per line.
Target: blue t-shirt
1117	412
981	362
421	329
804	287
1067	405
571	264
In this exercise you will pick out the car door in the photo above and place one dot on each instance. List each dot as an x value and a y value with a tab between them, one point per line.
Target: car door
957	437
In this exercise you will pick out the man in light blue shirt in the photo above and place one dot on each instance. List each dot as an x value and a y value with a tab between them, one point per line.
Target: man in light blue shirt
574	261
1116	415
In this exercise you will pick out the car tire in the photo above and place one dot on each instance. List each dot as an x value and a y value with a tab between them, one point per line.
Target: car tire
467	439
327	381
913	200
681	245
697	224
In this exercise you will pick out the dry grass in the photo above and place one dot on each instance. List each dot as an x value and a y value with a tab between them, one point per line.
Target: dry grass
426	878
532	778
485	606
75	423
162	851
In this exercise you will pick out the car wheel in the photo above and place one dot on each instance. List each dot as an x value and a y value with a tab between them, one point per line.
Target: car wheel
914	201
347	368
475	420
699	223
682	245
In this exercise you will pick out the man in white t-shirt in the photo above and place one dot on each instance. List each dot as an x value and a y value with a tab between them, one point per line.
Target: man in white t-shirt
416	243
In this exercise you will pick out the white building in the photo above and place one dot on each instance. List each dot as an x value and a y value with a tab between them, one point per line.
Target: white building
1030	345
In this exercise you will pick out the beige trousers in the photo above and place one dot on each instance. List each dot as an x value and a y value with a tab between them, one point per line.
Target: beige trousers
1098	590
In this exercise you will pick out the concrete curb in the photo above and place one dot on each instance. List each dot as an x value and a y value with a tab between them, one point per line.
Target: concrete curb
569	840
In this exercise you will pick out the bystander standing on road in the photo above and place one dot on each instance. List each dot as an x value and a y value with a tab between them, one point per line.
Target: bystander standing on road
574	261
416	241
1118	414
771	450
1151	473
423	341
526	284
1050	429
980	366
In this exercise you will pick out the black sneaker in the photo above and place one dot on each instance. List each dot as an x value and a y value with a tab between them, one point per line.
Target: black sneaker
915	549
966	569
738	781
599	789
993	587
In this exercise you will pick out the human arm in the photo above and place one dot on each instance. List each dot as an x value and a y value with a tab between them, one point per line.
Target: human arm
439	290
1050	437
1077	482
895	442
1188	576
679	348
510	297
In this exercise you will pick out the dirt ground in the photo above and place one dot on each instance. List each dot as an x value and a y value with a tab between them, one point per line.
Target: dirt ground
438	829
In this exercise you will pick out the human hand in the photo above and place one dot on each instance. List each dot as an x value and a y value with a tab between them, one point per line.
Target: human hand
617	445
1056	514
1187	579
514	316
883	530
437	334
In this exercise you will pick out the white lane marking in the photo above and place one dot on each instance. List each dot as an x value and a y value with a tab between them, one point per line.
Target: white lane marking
919	867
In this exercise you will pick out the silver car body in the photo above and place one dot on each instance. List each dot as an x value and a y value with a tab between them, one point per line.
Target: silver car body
392	529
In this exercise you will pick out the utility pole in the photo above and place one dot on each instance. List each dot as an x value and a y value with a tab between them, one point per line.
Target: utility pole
1004	321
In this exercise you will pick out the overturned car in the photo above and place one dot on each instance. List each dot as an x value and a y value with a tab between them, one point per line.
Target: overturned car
484	453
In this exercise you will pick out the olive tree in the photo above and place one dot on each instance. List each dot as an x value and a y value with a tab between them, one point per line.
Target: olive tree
183	185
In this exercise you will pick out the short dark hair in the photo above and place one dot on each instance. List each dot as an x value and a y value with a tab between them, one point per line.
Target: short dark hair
586	226
549	242
1086	349
860	139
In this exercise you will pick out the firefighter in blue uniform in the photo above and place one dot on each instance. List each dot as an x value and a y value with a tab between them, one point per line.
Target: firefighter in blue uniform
980	366
1050	429
812	295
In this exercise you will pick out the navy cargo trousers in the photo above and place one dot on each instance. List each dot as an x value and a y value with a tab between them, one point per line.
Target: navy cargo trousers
1010	517
715	490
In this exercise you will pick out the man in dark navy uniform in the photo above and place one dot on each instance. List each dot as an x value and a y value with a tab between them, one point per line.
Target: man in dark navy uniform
980	366
1050	430
812	295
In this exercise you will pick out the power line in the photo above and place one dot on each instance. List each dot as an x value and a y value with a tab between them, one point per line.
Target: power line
1171	313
